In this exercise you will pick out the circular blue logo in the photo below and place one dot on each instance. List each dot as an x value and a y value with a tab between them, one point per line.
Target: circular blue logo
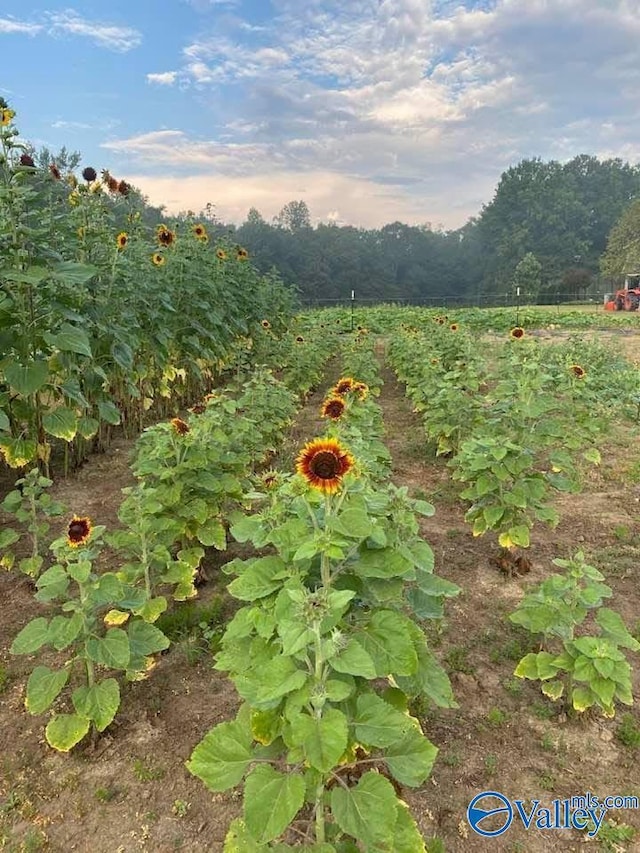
486	805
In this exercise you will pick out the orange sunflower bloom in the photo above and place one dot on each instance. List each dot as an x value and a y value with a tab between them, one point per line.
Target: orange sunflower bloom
333	408
121	240
5	116
180	426
578	372
323	463
79	531
516	333
344	385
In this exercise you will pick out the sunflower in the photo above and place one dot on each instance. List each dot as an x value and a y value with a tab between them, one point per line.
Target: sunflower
26	160
158	259
165	236
242	254
299	339
180	426
516	333
112	183
265	324
198	409
221	254
440	321
323	463
270	479
89	174
344	385
454	327
5	116
78	531
121	240
199	231
333	407
124	188
361	389
578	372
55	172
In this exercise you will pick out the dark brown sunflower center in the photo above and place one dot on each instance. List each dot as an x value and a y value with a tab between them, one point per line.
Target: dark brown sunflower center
78	530
335	409
325	465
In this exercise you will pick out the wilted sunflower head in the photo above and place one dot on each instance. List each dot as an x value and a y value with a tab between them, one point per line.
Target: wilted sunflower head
89	174
165	236
124	188
158	260
199	231
180	426
55	172
265	324
344	385
333	408
241	254
112	183
270	479
323	463
578	371
79	531
516	333
198	409
121	240
361	389
26	160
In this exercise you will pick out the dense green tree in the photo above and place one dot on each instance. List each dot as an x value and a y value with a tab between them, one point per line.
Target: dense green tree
623	247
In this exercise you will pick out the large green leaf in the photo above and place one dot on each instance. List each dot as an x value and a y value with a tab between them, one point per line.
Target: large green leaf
28	378
99	703
324	740
367	812
5	423
66	730
222	757
406	835
354	660
72	272
109	412
43	686
61	423
144	639
262	577
377	723
63	630
112	650
69	339
265	685
271	801
429	680
410	759
388	639
88	427
32	637
381	563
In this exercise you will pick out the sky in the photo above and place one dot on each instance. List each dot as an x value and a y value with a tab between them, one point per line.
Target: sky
371	111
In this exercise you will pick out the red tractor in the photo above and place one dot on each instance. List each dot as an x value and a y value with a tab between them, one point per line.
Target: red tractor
627	299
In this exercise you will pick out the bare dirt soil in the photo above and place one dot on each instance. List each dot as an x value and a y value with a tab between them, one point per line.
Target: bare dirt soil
131	792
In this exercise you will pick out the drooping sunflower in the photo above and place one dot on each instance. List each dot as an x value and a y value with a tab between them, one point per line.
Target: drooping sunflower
26	160
198	409
516	333
180	426
124	188
241	254
323	463
78	531
89	174
55	172
199	231
165	236
344	385
5	116
122	239
333	407
158	259
578	371
265	324
221	254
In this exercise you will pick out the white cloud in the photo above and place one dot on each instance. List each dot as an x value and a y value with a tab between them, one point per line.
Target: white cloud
110	36
10	25
163	78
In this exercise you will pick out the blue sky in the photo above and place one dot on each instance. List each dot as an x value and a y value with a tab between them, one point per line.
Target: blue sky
369	110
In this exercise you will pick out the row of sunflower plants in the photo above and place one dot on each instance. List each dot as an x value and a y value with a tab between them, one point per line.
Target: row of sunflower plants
191	475
515	424
325	655
104	316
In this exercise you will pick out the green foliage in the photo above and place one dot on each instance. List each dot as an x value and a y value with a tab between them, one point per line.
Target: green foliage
628	732
31	505
589	669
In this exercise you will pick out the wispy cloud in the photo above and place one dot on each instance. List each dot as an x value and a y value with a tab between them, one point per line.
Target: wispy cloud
164	78
10	25
117	38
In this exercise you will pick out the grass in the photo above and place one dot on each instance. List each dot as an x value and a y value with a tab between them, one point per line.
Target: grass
612	835
628	732
145	772
456	659
496	717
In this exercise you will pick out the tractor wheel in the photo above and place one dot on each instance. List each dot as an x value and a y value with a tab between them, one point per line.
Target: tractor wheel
620	303
631	302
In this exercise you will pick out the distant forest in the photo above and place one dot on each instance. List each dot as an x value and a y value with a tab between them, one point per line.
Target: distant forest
546	228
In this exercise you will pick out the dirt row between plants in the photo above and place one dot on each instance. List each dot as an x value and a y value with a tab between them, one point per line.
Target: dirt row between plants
505	736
